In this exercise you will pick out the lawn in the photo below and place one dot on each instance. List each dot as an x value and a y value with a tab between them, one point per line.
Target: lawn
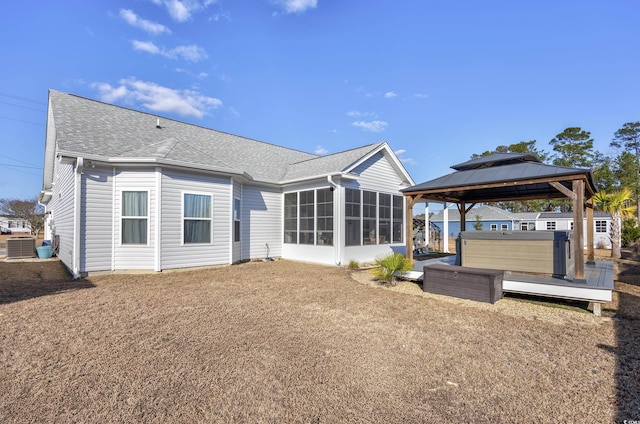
289	342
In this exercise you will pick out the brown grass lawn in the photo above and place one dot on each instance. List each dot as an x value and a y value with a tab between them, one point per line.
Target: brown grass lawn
291	342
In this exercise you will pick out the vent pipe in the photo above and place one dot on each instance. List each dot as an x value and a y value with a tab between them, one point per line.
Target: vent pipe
158	124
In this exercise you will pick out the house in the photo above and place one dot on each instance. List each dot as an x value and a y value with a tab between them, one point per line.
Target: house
126	190
495	219
13	225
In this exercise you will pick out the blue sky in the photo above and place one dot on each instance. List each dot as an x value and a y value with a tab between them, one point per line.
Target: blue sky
438	81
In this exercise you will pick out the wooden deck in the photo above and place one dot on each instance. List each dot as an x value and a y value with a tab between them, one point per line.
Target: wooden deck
597	287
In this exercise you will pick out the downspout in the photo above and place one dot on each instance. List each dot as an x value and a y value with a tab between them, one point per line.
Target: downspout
77	218
337	222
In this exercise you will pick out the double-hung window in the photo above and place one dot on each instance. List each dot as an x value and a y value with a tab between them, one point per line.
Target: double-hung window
398	218
369	203
601	226
352	216
135	217
307	217
384	218
196	218
291	218
551	225
324	216
236	219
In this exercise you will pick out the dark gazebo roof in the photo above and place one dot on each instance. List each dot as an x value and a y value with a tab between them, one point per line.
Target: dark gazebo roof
500	177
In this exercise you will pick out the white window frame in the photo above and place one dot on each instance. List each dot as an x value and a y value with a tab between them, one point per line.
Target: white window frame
493	227
123	217
551	225
600	221
504	227
197	193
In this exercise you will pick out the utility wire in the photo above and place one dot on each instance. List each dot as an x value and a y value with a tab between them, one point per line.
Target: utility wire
16	160
23	107
20	120
22	98
20	166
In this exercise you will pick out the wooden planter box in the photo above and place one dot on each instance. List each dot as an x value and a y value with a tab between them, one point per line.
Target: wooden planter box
482	285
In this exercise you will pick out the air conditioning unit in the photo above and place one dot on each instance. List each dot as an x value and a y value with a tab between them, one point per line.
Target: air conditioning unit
21	247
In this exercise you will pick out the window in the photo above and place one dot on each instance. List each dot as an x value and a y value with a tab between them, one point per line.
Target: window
291	218
325	216
551	225
236	219
352	217
571	225
398	218
306	217
524	227
494	227
369	217
504	227
601	226
384	218
196	218
135	217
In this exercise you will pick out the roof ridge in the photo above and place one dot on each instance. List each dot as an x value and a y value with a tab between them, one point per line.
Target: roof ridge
336	153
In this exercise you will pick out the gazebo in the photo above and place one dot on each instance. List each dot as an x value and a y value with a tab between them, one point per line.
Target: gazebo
511	177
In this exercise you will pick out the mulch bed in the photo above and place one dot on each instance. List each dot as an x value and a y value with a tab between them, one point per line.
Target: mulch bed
289	342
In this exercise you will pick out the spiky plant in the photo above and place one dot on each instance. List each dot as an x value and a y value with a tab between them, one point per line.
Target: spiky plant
618	205
390	265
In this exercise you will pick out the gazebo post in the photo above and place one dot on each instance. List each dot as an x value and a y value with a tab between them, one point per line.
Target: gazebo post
463	217
578	230
590	230
410	202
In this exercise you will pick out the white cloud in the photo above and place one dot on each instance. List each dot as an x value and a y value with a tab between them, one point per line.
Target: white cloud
157	98
297	6
401	152
320	150
373	126
191	52
183	10
358	114
421	95
389	95
151	27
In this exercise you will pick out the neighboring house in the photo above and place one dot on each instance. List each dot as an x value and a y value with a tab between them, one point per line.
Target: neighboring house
127	190
564	221
13	225
491	217
496	219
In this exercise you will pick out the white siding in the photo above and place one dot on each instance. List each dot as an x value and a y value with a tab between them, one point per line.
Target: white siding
176	254
61	208
261	222
134	256
96	242
377	174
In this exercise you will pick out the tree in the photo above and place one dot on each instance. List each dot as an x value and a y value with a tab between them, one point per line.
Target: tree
603	172
28	210
618	205
573	147
628	138
519	147
478	224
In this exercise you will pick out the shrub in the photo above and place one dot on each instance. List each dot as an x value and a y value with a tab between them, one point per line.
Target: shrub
630	232
389	265
353	264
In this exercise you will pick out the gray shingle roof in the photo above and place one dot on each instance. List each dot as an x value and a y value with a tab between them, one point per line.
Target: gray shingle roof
486	212
101	131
